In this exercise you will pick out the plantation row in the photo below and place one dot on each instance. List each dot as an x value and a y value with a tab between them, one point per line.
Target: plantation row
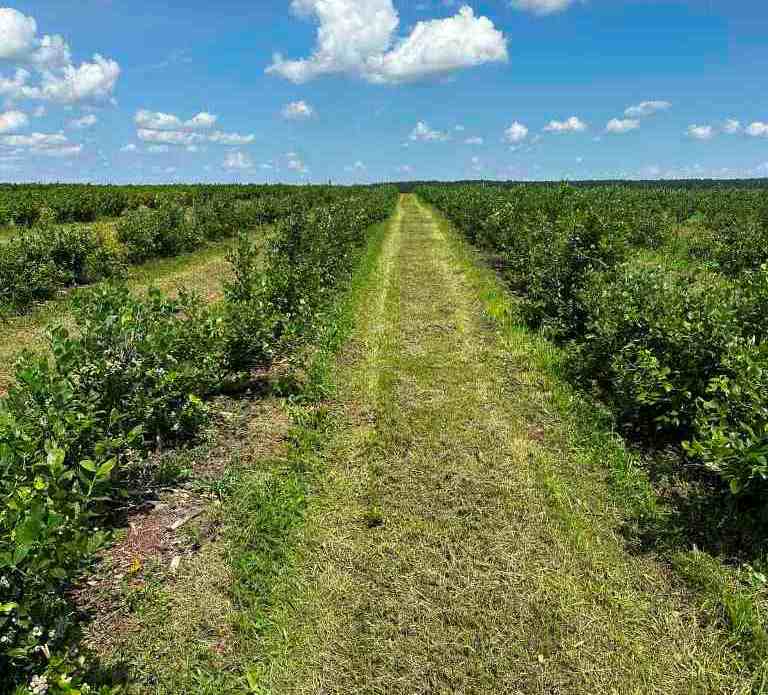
136	371
678	349
26	205
38	262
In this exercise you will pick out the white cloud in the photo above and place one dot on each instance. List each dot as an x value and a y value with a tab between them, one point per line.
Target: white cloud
572	125
46	144
13	120
732	126
84	122
237	160
18	34
542	6
66	151
757	129
701	132
424	133
90	82
130	147
168	137
296	164
297	110
620	126
158	149
516	133
156	120
230	138
474	141
358	37
60	80
646	108
34	140
202	121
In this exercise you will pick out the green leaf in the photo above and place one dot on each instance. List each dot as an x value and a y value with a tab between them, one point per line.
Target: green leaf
89	465
8	607
106	468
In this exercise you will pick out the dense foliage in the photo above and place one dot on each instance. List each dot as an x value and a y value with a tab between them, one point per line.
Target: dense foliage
134	375
659	297
40	260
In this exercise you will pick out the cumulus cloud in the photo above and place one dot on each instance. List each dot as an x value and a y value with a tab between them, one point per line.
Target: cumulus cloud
85	122
93	81
542	6
572	125
474	141
701	132
156	120
296	164
646	108
168	137
237	160
159	128
358	37
11	121
34	140
424	133
619	126
65	151
230	138
297	110
732	126
516	133
51	58
18	34
45	144
757	129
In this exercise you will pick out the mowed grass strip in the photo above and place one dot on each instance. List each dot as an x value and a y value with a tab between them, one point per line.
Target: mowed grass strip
467	539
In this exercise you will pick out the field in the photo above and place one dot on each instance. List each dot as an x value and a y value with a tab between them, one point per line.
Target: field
457	438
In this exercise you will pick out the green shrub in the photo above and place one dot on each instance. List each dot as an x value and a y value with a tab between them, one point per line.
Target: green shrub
37	264
148	233
133	377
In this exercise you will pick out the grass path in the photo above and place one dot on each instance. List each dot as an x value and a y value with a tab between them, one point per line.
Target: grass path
465	539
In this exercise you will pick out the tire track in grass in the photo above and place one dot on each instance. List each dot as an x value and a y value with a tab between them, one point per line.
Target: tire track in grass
465	540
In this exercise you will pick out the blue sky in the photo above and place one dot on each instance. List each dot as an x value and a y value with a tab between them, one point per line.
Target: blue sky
370	90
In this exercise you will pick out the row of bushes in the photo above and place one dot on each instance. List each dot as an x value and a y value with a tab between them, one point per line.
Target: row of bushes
136	371
680	354
26	205
37	263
